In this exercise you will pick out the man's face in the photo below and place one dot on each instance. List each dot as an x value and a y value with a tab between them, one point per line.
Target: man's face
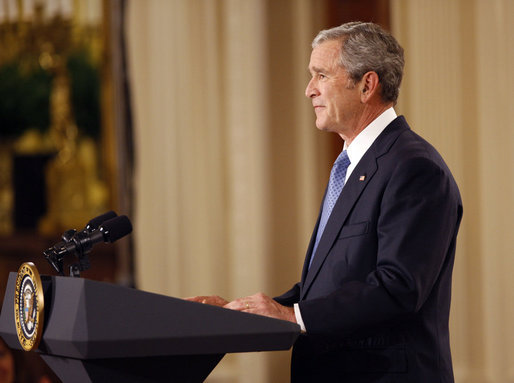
335	98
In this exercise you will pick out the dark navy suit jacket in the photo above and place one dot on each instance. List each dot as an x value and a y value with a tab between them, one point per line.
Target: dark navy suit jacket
376	299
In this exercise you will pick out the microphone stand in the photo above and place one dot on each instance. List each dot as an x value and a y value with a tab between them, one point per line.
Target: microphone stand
56	254
81	243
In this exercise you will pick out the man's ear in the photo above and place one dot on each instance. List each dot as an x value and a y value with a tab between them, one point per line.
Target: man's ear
369	86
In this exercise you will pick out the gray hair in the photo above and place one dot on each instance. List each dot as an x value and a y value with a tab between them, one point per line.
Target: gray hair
367	47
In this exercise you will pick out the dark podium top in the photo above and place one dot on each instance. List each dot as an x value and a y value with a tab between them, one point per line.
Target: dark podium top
97	331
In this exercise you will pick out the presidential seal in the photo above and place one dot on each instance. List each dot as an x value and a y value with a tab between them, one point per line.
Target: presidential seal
29	306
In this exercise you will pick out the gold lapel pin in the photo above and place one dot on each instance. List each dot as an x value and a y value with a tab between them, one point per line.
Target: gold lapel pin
362	178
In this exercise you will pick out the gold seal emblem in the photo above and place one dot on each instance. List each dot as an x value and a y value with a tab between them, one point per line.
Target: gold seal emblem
29	306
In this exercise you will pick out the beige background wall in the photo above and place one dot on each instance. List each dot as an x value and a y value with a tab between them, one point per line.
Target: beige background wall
230	168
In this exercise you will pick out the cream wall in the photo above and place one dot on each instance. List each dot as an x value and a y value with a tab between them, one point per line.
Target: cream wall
230	168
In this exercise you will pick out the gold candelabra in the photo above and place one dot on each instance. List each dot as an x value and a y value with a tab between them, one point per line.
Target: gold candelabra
43	36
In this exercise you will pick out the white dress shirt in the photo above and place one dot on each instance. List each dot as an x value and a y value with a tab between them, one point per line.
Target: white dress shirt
356	150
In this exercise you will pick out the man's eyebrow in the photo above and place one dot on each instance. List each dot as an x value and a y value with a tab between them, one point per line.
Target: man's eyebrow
316	69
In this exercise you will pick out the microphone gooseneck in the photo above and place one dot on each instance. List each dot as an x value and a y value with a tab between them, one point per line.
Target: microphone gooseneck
107	228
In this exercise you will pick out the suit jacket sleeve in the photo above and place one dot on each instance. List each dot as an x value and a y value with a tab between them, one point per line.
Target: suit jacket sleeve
419	215
290	297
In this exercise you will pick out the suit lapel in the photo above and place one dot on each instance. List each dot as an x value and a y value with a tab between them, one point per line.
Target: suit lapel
350	194
311	246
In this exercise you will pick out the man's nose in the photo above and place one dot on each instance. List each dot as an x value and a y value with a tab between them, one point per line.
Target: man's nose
311	90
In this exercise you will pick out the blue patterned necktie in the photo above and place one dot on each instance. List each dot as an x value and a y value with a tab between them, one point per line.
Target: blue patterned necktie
335	185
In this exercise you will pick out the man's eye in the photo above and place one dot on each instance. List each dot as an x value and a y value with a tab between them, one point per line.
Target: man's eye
321	76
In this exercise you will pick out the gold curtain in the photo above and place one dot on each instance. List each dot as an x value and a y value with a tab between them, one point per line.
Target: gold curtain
228	182
456	92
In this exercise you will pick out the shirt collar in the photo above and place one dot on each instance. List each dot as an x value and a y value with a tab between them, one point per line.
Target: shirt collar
365	139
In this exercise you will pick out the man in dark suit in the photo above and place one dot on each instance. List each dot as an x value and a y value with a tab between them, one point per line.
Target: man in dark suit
374	298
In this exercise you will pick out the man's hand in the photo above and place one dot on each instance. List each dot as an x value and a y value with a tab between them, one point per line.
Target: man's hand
213	300
263	305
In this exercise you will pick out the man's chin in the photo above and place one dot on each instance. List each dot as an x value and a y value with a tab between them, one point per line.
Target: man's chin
322	127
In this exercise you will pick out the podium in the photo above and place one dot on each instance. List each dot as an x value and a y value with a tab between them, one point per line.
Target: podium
101	332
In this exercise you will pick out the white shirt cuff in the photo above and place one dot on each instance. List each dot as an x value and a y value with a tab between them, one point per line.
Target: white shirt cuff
298	316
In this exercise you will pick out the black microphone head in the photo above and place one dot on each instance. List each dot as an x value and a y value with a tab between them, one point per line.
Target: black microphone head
116	228
97	221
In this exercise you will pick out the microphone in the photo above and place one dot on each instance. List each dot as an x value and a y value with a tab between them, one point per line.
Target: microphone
109	231
91	226
97	221
106	228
